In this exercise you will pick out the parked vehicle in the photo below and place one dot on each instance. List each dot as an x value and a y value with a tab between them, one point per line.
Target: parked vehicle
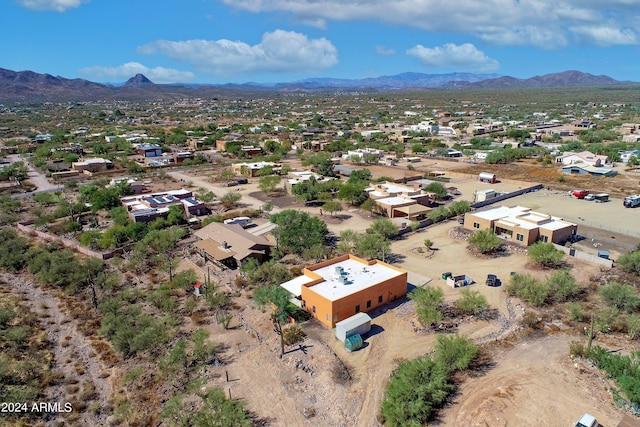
589	197
587	420
601	198
492	280
244	221
632	201
580	193
242	181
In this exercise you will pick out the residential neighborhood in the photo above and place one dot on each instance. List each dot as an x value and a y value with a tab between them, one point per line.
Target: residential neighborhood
297	252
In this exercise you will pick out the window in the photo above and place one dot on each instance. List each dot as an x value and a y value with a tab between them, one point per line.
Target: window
358	308
328	317
335	317
476	225
544	238
369	304
520	237
314	309
380	299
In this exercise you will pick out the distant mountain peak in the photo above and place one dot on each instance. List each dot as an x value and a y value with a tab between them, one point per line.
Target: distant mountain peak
138	80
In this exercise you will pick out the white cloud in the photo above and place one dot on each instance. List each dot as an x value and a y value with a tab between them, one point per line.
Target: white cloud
464	57
130	69
279	51
548	23
381	50
605	36
53	5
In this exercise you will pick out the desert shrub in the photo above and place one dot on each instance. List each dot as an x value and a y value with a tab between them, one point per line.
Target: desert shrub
575	311
427	301
562	286
292	334
624	368
630	262
621	296
129	330
577	348
455	352
527	288
607	319
485	241
545	254
633	326
417	388
472	302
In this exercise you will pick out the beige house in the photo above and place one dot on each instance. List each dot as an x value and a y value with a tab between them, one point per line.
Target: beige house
230	244
521	225
399	200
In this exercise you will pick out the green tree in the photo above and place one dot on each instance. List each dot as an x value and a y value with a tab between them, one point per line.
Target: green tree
325	168
176	215
383	226
440	191
353	193
485	241
230	199
332	207
372	246
268	183
298	231
545	254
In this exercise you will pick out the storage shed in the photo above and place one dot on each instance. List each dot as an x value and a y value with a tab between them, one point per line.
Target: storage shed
487	177
359	323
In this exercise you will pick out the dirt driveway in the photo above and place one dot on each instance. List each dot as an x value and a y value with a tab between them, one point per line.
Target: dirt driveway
534	383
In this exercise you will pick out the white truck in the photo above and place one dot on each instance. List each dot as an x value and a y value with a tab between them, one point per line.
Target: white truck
587	420
244	221
632	201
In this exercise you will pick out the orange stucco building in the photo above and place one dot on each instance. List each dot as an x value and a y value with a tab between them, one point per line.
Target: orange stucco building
336	289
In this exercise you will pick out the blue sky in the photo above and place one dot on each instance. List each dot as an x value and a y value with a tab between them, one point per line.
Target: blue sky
236	41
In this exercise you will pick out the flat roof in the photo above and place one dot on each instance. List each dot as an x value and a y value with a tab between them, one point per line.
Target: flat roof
294	286
556	224
501	212
394	200
359	276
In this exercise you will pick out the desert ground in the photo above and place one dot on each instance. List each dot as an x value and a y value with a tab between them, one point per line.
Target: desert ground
530	380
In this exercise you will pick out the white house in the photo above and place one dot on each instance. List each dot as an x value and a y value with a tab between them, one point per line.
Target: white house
570	158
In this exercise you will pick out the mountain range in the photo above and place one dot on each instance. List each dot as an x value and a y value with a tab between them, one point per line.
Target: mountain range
28	86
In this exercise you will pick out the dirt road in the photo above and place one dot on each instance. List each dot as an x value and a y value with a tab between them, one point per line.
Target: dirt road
83	382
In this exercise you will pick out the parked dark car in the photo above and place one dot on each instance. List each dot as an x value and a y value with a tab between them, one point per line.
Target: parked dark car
492	280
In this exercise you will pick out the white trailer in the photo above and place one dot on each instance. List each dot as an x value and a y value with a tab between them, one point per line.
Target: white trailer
244	221
359	323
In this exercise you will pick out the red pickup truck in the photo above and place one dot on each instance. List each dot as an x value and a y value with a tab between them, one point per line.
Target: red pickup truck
580	194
